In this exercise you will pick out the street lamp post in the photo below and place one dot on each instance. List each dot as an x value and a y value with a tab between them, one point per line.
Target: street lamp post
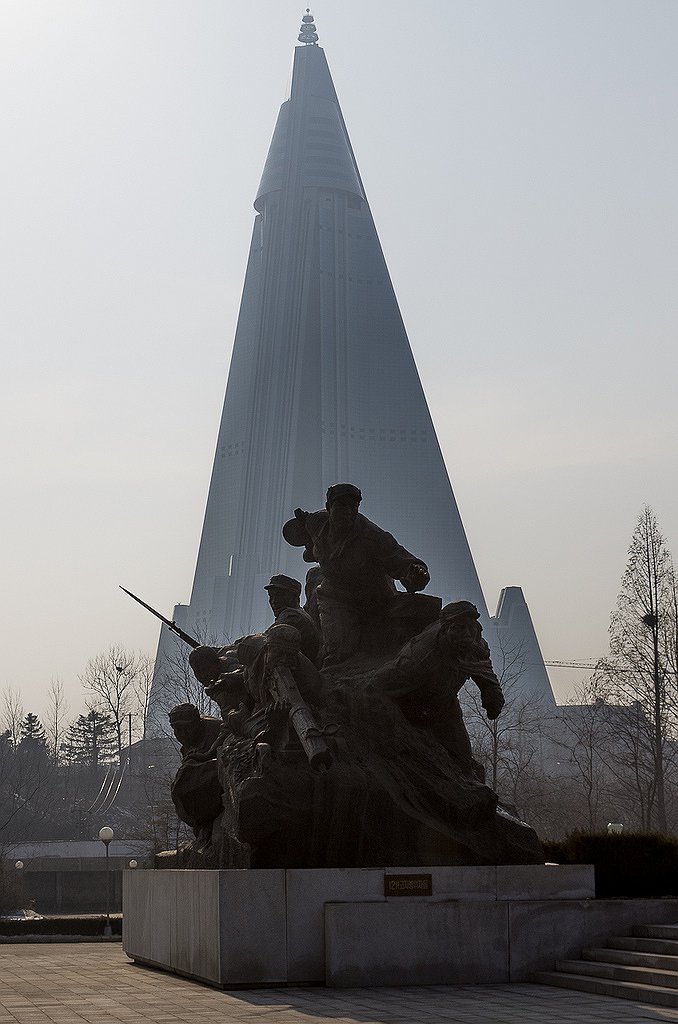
120	670
106	835
19	866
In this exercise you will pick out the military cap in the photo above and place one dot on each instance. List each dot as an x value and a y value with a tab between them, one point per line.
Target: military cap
281	582
184	714
343	490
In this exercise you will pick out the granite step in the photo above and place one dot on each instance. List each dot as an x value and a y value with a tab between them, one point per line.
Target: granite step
606	987
656	931
632	958
620	972
642	945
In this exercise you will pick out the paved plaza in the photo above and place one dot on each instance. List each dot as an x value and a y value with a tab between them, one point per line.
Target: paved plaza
95	982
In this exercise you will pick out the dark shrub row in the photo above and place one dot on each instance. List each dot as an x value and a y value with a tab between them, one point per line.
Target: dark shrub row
629	865
93	926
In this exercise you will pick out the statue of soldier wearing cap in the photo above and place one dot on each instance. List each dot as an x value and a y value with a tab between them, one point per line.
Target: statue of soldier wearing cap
359	563
196	792
426	676
196	733
212	663
284	594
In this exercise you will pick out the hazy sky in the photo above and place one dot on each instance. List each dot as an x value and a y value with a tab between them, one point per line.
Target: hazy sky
521	161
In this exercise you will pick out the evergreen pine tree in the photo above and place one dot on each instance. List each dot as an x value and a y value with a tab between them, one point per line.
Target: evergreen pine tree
90	740
32	734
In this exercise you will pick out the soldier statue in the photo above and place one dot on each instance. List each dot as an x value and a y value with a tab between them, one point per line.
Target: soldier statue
359	563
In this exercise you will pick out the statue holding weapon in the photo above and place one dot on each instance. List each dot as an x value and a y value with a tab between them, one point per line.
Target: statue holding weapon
269	663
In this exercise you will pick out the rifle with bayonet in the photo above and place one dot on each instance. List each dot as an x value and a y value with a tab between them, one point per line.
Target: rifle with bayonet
186	637
285	691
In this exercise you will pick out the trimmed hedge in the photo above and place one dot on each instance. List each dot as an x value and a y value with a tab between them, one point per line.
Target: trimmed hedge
93	926
638	865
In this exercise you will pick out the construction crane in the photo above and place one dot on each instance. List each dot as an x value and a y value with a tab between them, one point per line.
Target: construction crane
590	665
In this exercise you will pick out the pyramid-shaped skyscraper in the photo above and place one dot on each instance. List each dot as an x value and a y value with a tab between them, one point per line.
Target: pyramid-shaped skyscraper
323	388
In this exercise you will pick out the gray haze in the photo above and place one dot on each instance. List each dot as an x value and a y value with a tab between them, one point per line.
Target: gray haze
520	161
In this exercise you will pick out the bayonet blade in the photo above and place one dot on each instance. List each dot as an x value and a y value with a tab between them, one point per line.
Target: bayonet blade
186	637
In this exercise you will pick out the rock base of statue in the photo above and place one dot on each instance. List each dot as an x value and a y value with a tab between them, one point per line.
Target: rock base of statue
394	794
360	927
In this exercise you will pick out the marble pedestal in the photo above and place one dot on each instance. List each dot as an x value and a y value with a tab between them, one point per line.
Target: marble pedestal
339	927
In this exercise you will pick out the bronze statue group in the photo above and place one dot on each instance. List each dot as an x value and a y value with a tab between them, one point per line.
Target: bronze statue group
341	740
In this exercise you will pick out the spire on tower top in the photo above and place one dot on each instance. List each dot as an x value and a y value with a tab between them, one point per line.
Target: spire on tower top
307	33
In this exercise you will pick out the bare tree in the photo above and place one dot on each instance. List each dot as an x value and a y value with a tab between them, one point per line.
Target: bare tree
55	724
157	818
114	678
11	713
508	746
142	685
175	683
640	674
582	733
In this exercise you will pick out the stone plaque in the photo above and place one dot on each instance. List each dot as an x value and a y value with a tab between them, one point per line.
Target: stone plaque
408	885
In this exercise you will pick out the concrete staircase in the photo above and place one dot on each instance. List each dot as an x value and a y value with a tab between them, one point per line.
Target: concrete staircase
642	966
